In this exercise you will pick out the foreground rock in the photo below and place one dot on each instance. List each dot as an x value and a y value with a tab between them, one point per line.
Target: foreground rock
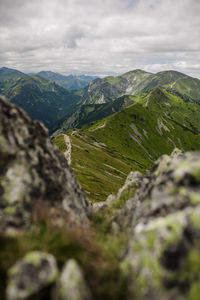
33	171
32	276
162	259
173	184
71	285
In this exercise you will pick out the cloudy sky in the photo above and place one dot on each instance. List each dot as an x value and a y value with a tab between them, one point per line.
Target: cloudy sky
100	37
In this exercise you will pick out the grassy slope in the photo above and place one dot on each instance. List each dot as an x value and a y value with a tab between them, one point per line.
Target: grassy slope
89	113
97	168
186	113
59	141
131	140
187	86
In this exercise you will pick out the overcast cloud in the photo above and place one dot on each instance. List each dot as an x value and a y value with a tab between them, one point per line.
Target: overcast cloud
100	37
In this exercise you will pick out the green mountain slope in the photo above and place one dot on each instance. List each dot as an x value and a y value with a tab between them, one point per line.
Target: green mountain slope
110	88
161	79
42	99
139	82
9	74
185	113
70	82
161	100
92	112
187	86
8	79
103	153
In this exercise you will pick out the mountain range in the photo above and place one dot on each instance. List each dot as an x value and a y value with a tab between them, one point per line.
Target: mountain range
42	99
109	95
48	100
130	132
137	82
70	82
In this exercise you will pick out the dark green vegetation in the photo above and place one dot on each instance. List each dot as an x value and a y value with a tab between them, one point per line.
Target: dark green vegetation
70	82
104	152
42	99
91	112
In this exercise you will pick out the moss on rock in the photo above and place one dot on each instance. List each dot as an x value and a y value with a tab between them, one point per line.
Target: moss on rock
29	276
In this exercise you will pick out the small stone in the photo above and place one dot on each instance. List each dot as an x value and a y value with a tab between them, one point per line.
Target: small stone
31	275
72	285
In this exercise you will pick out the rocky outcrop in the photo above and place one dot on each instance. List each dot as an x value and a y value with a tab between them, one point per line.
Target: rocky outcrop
72	285
171	185
162	259
131	184
33	172
31	276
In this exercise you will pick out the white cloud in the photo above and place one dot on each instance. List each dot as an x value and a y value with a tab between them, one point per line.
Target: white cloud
100	37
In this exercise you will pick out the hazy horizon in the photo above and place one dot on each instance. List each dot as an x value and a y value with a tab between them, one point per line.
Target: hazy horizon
86	74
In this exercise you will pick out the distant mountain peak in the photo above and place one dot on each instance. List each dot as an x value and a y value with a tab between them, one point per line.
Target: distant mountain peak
136	71
173	72
70	82
8	73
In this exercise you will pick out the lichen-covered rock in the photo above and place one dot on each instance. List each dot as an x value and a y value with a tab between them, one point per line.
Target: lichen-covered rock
171	185
133	181
72	285
32	171
162	259
31	276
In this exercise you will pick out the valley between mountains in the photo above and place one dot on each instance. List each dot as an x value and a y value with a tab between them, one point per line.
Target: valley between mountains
105	203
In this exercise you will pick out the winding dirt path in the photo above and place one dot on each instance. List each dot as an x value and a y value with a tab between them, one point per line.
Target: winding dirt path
67	153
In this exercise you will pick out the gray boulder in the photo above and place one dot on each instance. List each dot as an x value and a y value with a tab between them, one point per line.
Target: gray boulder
31	276
171	185
32	172
162	260
72	285
162	220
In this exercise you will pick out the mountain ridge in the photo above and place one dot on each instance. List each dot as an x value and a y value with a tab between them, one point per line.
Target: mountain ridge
135	82
70	82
